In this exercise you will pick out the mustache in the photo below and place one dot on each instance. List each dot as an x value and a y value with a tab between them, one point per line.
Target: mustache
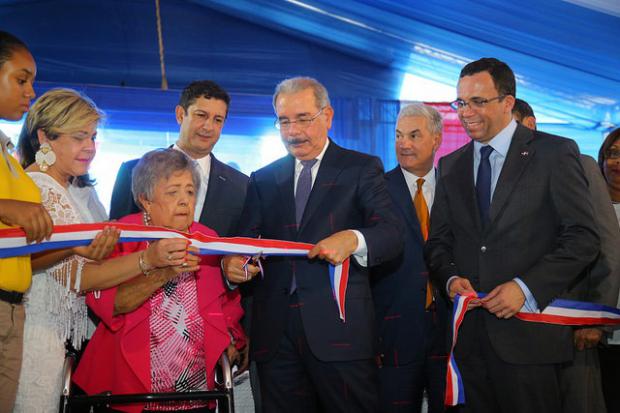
295	141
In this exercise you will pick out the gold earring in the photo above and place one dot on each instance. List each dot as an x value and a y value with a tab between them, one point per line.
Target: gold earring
45	157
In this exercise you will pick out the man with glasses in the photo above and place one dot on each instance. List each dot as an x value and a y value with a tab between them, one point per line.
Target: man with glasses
512	218
580	380
309	360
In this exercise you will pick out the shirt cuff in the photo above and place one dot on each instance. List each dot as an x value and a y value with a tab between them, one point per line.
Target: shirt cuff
361	252
530	305
448	284
229	284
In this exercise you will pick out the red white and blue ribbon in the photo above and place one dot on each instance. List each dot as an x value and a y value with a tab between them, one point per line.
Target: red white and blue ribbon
562	312
13	243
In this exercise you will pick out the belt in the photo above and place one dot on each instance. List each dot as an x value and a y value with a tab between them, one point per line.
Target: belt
11	297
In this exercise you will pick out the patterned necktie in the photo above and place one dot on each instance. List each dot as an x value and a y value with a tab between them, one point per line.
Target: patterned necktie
421	210
304	186
483	184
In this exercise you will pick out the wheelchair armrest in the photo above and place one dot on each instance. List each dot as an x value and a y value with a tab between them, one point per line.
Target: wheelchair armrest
227	377
67	370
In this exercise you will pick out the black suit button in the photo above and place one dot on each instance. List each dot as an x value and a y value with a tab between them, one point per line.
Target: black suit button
483	249
285	291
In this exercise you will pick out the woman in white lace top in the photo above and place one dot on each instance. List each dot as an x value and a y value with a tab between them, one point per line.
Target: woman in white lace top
56	147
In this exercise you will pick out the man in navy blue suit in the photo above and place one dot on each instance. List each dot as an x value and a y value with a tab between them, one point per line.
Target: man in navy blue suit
308	359
411	319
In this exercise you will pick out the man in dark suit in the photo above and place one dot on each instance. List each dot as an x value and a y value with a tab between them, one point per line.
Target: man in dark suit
411	321
308	359
512	218
201	113
580	379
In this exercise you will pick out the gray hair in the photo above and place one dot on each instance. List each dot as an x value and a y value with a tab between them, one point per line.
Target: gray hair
434	121
160	164
298	84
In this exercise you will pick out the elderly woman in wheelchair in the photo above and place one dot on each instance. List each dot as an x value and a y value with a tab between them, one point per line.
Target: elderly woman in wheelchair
165	329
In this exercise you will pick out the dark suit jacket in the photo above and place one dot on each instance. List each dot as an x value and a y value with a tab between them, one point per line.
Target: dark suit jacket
602	279
407	332
223	202
541	229
348	193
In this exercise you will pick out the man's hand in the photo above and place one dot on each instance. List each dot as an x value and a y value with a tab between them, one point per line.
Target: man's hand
336	248
101	246
32	217
505	300
587	338
462	286
232	265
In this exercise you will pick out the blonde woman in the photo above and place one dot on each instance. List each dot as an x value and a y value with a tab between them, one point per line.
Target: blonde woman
56	147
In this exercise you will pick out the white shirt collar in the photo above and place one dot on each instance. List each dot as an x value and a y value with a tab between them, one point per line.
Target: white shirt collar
319	157
500	142
429	178
204	162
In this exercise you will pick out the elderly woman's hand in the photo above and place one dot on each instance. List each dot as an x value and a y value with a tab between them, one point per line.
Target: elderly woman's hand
167	252
101	246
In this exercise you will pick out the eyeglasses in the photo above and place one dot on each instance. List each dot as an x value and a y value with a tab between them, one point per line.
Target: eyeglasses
477	103
303	122
612	154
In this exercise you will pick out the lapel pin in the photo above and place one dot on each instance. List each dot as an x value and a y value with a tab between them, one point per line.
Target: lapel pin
525	153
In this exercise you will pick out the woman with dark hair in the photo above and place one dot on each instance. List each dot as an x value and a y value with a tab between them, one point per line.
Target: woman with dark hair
56	146
163	331
20	205
609	161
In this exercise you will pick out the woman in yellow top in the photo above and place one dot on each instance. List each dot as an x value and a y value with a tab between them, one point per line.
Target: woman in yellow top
20	205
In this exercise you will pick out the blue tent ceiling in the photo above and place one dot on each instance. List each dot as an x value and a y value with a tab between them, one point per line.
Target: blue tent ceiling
566	57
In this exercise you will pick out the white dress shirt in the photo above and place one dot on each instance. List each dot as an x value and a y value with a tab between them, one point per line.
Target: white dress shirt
204	167
428	187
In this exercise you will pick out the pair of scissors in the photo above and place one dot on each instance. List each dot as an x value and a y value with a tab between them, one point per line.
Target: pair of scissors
254	259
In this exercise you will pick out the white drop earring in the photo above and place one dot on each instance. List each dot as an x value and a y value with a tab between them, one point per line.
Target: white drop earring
45	157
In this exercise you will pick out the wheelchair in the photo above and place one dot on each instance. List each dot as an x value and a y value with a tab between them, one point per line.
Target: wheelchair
223	393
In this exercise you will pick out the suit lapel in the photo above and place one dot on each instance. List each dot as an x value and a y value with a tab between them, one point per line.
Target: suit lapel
463	183
397	186
329	169
519	155
217	181
285	181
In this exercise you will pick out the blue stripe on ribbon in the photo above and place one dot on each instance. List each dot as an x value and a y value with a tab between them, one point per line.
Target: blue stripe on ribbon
39	247
580	305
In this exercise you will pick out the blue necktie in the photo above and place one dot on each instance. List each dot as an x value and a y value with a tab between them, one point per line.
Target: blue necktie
483	184
304	186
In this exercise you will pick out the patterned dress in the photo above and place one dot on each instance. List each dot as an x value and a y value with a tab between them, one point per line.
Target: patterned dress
177	343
